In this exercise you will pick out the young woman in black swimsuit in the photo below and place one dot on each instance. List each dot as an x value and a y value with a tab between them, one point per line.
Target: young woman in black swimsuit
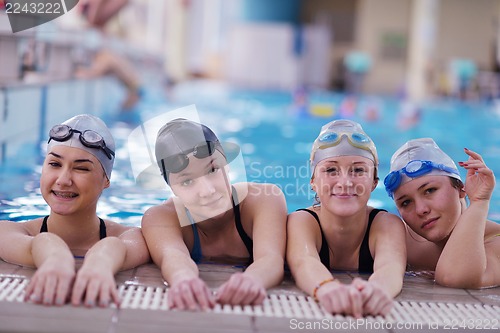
76	169
340	231
210	219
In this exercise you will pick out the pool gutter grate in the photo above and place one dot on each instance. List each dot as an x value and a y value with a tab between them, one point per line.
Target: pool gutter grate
284	306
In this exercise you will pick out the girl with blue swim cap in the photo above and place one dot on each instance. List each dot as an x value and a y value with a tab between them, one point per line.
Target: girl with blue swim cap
76	169
446	235
340	231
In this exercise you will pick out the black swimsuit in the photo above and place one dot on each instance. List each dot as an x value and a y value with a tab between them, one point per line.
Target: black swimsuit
365	261
102	227
196	253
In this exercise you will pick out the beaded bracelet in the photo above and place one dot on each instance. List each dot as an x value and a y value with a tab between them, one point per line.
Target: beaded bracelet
315	290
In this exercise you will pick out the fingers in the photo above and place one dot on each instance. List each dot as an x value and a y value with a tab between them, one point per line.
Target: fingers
78	291
241	289
376	301
191	294
48	289
356	303
337	298
473	154
93	291
360	298
63	291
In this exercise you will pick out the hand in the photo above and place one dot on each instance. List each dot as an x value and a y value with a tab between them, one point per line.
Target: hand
241	289
190	294
51	283
375	300
480	180
94	285
339	298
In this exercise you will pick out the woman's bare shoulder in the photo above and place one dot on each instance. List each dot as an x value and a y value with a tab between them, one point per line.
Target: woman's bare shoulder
31	227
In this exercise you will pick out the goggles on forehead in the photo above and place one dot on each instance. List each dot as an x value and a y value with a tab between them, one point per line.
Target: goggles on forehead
88	138
413	169
178	162
358	140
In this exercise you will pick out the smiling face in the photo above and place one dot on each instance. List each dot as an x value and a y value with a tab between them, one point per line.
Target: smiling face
344	183
72	180
203	186
430	205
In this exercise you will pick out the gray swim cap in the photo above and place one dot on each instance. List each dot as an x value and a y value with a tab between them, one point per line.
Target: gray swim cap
180	137
104	150
342	138
426	150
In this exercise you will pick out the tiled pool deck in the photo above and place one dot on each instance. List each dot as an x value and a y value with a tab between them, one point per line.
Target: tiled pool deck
422	306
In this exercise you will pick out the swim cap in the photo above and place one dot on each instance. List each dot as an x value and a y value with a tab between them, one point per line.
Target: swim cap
82	123
420	150
342	138
180	137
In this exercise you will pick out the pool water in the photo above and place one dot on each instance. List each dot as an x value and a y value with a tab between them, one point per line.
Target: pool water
275	136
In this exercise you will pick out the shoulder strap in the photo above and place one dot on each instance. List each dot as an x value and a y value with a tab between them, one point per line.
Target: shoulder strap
44	225
365	261
237	221
102	229
324	252
196	253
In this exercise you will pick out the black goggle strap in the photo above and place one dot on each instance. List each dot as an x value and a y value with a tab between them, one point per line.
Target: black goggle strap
164	170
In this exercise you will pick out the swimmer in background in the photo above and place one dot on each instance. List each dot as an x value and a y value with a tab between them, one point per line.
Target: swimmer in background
340	231
211	219
76	169
443	233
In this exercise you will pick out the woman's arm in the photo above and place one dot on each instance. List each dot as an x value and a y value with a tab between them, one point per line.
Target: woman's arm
267	206
303	244
16	243
162	232
464	261
95	282
269	235
389	239
137	252
51	283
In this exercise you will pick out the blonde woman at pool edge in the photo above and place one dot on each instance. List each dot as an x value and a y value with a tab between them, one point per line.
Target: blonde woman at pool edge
343	232
445	235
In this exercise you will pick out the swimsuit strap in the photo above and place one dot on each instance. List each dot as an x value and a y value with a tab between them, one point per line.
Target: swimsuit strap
102	227
365	261
196	254
44	225
324	252
237	221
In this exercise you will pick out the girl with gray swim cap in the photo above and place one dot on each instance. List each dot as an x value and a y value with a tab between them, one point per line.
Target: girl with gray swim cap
76	169
340	231
211	219
446	235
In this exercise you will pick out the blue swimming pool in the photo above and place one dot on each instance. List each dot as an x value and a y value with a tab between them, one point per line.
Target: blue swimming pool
275	139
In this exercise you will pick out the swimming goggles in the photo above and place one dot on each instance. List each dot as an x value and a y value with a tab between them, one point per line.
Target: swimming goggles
179	162
413	169
88	138
358	140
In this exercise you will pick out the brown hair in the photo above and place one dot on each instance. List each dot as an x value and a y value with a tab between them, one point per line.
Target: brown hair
456	183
